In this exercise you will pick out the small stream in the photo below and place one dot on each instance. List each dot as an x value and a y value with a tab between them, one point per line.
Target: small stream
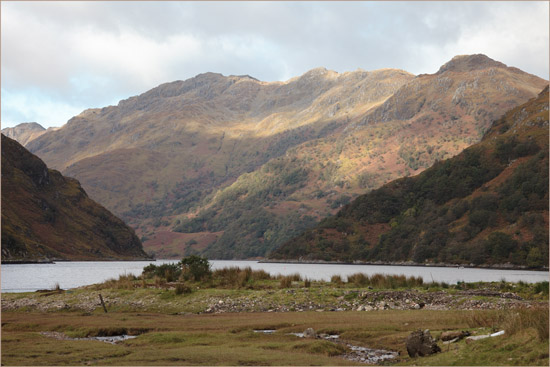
355	353
106	339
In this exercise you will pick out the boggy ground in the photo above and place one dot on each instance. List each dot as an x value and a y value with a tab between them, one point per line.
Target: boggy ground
210	324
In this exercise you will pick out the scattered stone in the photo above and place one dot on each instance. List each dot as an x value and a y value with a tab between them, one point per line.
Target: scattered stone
449	335
420	343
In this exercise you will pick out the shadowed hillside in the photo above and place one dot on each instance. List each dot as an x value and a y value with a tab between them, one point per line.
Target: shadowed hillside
48	216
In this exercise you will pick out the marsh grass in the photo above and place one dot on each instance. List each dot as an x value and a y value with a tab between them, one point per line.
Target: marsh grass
124	281
513	321
234	277
246	278
336	280
285	281
384	281
229	339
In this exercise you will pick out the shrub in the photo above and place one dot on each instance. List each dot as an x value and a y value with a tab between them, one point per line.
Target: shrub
169	272
541	287
195	267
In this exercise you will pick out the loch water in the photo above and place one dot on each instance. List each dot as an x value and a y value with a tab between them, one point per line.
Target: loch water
72	274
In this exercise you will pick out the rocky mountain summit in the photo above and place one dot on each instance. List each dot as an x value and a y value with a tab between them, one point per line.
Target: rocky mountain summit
46	216
232	167
24	132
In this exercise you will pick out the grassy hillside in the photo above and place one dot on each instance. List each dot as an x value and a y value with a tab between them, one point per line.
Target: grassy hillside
488	205
48	216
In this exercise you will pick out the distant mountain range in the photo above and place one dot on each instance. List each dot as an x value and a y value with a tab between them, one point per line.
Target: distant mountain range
46	216
233	167
486	206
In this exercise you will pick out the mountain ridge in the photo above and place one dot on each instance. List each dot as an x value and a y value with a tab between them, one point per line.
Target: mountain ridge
298	149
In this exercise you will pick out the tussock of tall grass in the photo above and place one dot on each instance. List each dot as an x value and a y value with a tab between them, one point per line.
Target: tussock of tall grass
520	319
235	277
285	281
513	320
384	281
124	281
336	279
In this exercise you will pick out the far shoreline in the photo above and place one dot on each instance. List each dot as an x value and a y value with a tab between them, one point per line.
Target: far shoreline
430	265
311	262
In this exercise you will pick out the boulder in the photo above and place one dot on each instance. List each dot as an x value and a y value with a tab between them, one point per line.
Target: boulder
310	333
420	343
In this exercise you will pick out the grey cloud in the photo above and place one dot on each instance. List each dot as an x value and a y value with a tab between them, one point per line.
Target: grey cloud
42	48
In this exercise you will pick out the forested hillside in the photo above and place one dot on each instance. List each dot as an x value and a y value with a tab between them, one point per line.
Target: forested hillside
488	205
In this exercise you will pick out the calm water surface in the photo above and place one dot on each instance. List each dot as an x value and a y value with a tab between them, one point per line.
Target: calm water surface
31	277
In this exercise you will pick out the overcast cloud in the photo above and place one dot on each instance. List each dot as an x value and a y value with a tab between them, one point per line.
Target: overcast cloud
59	58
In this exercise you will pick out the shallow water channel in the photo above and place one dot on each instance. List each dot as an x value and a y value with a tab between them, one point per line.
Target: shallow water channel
355	353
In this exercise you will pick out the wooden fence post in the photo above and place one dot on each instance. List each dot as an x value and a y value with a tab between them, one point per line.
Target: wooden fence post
102	303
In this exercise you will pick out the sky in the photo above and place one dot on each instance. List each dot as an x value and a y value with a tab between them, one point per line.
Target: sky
60	58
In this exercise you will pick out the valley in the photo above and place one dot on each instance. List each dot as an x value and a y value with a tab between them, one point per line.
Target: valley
232	167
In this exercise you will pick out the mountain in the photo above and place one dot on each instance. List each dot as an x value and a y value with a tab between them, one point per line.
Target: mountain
486	206
429	118
25	132
161	153
232	167
48	216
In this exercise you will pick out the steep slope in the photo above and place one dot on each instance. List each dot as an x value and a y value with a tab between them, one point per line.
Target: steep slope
429	118
25	132
48	216
141	158
488	205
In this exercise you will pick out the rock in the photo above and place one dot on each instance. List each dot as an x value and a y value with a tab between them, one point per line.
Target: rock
420	343
449	335
479	337
310	333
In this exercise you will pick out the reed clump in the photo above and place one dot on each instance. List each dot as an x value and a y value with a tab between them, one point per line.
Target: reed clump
234	277
285	281
336	279
384	281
